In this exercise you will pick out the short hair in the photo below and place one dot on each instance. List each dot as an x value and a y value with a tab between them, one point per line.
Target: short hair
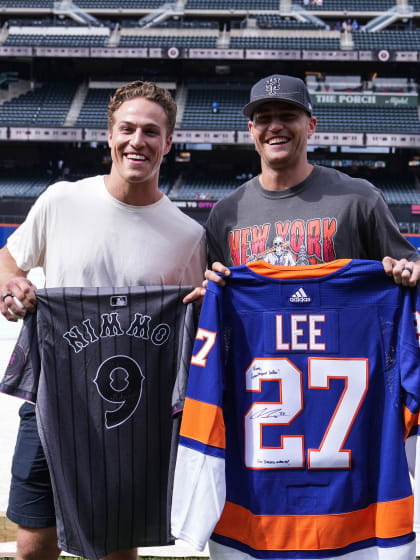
149	91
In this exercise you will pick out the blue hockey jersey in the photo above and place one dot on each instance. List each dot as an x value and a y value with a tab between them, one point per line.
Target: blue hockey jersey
304	383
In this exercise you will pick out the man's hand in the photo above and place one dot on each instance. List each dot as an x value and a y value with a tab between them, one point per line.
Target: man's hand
198	293
403	271
17	297
216	278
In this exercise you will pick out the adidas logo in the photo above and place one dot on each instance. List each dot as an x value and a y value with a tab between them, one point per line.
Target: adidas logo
300	297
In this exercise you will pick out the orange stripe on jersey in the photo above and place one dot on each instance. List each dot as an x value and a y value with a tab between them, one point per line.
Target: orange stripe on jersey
410	420
316	532
296	272
203	422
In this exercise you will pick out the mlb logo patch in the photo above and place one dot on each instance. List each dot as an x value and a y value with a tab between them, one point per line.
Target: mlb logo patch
118	301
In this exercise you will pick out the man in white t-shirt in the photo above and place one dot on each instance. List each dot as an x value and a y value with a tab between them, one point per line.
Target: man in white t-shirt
112	230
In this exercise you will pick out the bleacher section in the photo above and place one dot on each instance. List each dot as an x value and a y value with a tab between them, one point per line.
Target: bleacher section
47	105
399	192
198	112
44	22
301	42
241	5
221	48
181	24
27	4
347	6
275	21
338	6
188	41
120	4
206	189
23	187
93	111
56	40
367	119
387	39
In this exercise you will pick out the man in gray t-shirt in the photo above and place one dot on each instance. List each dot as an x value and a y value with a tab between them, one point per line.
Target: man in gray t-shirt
320	214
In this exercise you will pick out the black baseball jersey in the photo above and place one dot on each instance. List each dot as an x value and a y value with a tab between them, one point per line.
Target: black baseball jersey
107	369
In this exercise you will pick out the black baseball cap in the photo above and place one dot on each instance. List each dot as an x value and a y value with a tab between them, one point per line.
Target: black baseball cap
279	88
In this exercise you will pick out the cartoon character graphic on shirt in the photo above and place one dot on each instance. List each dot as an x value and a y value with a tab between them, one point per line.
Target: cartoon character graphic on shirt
294	242
280	254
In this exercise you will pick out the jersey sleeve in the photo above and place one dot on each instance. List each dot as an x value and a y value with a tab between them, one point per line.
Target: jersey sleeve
410	358
185	346
22	373
200	466
411	415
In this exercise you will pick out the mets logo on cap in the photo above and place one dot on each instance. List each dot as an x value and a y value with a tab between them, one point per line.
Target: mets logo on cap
272	86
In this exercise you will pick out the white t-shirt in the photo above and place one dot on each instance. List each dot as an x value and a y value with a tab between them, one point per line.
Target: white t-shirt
82	236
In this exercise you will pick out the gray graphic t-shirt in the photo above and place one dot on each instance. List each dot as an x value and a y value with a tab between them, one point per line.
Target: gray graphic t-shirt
326	217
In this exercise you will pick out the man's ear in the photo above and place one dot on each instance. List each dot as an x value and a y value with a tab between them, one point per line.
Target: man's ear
312	127
168	144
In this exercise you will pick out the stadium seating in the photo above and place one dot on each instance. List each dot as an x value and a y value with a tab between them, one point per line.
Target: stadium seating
190	41
44	22
399	192
120	4
198	112
54	40
299	43
387	39
45	105
346	6
206	189
275	21
23	187
242	5
93	111
203	78
181	24
367	119
27	3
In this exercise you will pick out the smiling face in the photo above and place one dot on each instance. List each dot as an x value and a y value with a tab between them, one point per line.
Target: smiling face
280	132
138	141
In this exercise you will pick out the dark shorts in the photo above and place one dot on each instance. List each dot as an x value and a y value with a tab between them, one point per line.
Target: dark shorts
31	502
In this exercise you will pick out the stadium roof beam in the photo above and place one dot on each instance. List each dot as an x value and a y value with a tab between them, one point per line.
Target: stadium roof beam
304	15
378	23
70	9
166	11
